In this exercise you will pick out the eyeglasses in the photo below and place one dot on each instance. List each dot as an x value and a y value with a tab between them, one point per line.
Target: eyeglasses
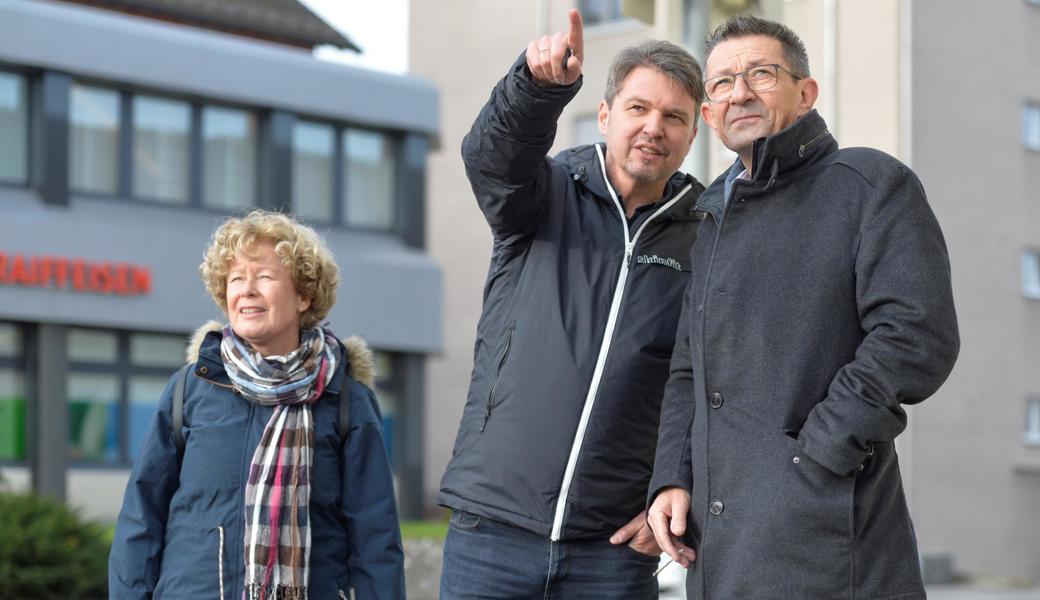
758	79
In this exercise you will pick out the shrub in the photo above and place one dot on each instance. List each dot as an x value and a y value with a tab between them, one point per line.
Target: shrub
48	551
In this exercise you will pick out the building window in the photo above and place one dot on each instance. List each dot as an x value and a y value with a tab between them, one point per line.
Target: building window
94	140
114	383
12	394
228	158
368	166
14	128
1031	126
1031	274
1033	422
162	139
595	12
313	146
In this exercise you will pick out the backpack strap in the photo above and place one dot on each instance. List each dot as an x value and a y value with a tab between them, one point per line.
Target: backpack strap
177	416
344	406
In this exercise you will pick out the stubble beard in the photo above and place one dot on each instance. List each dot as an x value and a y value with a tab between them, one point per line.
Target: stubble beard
644	173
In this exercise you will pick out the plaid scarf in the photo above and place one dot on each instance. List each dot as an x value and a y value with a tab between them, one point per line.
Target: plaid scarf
277	532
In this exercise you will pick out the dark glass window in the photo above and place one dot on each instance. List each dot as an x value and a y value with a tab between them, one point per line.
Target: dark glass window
594	12
1031	126
94	126
14	128
12	393
228	158
313	153
162	142
1033	422
114	383
1031	274
369	164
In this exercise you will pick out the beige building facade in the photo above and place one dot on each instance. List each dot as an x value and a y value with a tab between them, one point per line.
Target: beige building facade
950	87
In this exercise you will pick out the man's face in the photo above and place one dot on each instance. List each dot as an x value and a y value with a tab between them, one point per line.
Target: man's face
747	115
648	128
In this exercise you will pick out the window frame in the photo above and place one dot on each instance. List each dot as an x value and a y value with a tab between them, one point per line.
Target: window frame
394	140
30	114
123	370
198	159
620	17
1031	137
1031	436
339	175
1028	292
21	363
262	149
196	171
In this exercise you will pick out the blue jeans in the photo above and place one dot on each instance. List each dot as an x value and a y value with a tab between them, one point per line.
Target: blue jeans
489	559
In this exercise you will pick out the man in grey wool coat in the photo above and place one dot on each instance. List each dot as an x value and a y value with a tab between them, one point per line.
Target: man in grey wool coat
819	304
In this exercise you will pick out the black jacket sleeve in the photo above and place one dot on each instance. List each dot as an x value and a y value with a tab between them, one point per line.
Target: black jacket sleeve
905	302
672	465
505	152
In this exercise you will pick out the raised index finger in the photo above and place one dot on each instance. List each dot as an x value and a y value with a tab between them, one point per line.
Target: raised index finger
576	36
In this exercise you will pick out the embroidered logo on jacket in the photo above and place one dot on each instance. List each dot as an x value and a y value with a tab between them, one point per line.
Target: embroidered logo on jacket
657	260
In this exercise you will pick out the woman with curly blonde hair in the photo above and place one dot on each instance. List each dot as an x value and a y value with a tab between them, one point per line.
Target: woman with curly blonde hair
267	498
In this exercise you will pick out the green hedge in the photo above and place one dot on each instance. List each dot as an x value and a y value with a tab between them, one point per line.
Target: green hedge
48	551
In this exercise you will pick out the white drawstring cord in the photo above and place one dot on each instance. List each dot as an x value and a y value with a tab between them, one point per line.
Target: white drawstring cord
220	565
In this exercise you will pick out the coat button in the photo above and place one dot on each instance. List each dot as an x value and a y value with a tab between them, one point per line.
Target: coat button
716	400
716	507
203	370
700	307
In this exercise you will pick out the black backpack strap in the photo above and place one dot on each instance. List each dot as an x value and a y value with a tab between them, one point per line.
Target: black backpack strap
177	415
344	407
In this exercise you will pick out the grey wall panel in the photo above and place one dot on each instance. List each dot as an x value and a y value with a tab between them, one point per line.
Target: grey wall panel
108	45
390	294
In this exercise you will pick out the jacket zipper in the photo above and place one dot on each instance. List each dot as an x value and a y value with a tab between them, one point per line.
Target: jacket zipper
809	142
608	335
498	374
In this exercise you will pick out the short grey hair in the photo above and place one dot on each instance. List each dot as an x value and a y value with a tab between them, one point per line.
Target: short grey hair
747	25
670	60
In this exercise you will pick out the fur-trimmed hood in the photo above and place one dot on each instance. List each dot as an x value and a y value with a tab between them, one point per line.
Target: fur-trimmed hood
359	355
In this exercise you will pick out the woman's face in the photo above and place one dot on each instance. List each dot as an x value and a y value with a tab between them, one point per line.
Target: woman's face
264	307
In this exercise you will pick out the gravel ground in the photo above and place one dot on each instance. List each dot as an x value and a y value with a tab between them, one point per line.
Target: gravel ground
422	568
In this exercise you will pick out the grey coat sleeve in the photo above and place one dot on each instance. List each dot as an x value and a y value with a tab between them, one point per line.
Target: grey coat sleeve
905	303
133	563
505	151
672	464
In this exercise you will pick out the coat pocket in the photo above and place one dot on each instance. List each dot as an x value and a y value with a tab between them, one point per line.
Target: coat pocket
194	563
819	517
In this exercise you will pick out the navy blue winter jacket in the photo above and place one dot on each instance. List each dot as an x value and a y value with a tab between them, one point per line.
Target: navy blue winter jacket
181	529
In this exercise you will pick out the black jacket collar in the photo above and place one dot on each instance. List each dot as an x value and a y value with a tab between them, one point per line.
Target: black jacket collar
776	157
582	164
805	142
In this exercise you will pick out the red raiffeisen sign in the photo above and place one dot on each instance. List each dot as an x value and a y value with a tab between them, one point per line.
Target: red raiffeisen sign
74	275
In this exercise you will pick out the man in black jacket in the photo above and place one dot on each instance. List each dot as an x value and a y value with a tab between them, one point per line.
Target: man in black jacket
556	445
819	305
